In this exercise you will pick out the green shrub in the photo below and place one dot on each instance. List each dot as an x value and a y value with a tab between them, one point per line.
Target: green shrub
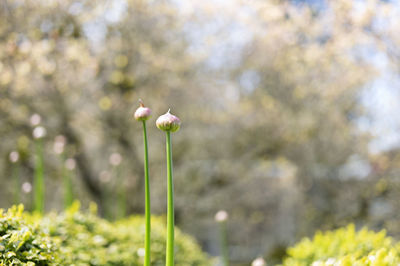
86	239
77	238
344	247
24	243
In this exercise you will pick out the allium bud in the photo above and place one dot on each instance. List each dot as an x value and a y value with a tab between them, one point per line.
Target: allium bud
59	143
168	122
105	176
14	156
70	163
26	187
142	113
259	262
35	119
141	252
221	216
115	159
39	132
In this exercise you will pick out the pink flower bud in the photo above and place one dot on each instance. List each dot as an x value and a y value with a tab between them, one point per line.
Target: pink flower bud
142	113
221	216
14	156
168	122
39	132
259	262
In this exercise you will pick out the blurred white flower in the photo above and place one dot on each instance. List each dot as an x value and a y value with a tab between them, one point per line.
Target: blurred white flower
35	120
14	156
259	262
59	143
330	261
70	164
105	176
141	252
39	132
26	187
115	159
221	216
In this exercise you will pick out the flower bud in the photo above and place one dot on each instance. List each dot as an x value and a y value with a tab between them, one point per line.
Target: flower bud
221	216
26	187
70	164
39	132
259	262
35	120
142	113
115	159
168	122
59	144
14	156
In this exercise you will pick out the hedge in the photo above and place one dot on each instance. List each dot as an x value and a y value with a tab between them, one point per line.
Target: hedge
82	238
343	247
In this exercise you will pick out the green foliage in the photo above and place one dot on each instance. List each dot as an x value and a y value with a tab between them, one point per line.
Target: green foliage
23	243
77	238
344	247
86	239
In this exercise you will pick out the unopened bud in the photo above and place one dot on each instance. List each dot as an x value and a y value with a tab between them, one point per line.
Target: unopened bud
221	216
70	164
259	262
35	119
105	176
59	143
39	132
168	122
115	159
14	156
142	113
26	187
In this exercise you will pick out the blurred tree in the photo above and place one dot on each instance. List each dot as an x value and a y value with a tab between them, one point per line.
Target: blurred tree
268	92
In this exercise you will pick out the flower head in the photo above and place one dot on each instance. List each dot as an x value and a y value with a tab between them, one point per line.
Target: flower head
35	120
142	113
168	122
59	144
70	163
115	159
221	216
14	156
39	132
26	187
259	262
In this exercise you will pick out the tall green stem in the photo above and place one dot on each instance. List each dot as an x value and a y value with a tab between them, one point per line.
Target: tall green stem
224	243
16	178
68	193
122	201
170	212
147	198
39	179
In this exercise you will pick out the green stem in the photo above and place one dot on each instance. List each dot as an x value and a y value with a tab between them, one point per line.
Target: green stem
170	211
224	243
108	203
147	198
121	193
68	194
39	179
15	175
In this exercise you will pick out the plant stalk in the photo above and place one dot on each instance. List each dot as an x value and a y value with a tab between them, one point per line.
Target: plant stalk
224	243
170	211
68	194
15	175
39	179
122	201
147	198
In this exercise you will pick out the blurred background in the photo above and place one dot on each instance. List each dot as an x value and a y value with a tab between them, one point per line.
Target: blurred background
290	112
